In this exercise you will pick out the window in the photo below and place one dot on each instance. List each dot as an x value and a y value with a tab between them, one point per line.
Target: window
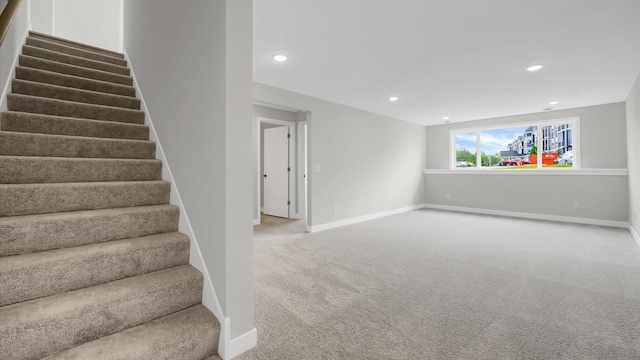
466	150
537	145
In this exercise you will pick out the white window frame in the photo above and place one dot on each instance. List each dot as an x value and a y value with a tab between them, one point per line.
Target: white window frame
575	141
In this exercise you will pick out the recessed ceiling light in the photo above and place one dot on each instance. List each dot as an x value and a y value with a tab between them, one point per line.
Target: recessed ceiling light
445	118
393	98
554	103
280	58
534	68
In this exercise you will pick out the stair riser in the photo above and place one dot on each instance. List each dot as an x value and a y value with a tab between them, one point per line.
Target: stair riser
64	93
46	326
74	60
74	44
44	44
190	334
89	243
37	63
35	105
43	124
37	75
25	144
50	198
31	170
45	232
57	271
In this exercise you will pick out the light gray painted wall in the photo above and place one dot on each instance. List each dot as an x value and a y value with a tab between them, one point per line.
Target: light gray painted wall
97	23
239	161
369	163
11	46
633	151
599	197
193	63
42	16
271	113
603	145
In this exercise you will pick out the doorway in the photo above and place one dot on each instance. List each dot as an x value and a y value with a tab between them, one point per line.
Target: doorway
281	170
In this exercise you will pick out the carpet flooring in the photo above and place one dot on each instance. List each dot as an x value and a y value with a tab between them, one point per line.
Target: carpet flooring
442	285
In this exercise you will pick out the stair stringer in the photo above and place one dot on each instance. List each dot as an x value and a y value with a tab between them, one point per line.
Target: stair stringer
209	296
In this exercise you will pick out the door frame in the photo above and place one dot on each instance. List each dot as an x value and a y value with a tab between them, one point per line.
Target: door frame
292	163
301	163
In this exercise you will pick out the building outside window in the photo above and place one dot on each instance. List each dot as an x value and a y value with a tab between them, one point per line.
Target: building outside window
544	144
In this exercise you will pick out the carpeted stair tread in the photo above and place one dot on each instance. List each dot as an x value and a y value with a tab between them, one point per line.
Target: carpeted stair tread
30	144
32	233
33	169
92	265
190	334
69	50
74	60
71	43
31	199
40	105
57	67
32	88
59	125
36	275
77	82
41	327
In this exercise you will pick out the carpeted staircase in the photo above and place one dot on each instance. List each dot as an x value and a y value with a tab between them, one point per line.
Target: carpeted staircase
92	264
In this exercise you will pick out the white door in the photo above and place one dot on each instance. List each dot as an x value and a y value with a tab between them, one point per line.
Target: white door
276	171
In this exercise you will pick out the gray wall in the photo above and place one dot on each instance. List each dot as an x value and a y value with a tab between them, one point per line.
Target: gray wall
603	142
271	113
193	62
599	197
369	163
98	23
633	151
42	16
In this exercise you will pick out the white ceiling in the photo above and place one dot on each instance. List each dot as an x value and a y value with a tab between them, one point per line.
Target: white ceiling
460	58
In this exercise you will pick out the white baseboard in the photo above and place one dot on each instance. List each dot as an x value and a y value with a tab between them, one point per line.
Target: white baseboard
12	75
209	297
242	344
225	339
230	348
256	221
577	220
635	235
355	220
7	86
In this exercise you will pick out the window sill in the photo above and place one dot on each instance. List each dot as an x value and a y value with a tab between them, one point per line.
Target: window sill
525	172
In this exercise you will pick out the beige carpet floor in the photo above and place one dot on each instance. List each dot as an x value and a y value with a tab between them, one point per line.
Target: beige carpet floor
442	285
